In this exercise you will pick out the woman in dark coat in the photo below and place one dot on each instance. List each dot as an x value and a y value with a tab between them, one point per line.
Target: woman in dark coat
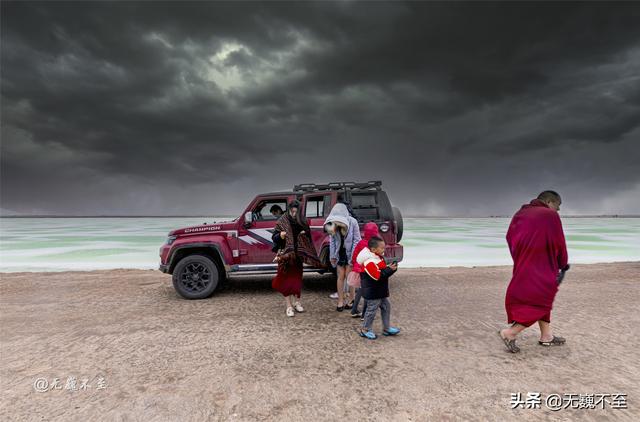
292	239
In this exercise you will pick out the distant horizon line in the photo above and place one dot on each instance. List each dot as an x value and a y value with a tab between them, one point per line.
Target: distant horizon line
232	216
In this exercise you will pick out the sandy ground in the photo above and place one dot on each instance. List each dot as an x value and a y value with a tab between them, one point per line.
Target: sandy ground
236	356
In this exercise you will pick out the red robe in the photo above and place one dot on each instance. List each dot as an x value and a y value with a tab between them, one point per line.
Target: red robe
297	249
537	246
288	280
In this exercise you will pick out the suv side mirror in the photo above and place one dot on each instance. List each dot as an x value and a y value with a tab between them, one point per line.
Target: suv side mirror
248	218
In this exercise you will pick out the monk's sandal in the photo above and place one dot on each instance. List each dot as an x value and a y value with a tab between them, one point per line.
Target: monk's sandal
555	341
511	344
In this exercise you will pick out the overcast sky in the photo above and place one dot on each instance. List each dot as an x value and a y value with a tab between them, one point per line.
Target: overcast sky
193	109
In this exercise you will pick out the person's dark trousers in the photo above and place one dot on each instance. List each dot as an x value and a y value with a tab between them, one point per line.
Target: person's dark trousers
356	302
372	309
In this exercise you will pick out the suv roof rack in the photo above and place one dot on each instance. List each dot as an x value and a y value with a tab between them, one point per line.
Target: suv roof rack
346	186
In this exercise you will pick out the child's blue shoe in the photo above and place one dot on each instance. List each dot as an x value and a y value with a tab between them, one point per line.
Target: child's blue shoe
391	331
368	334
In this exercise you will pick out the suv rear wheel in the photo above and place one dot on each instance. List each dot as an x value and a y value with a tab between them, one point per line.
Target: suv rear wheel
399	223
196	277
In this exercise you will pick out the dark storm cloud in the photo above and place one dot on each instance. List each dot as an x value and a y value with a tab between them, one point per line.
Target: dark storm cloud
192	108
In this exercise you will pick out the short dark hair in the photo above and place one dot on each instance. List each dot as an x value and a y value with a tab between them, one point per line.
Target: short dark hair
549	195
374	241
275	208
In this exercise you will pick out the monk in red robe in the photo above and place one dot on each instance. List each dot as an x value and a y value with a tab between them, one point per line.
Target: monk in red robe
537	246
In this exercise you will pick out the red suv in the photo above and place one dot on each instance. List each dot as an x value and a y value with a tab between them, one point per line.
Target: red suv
201	258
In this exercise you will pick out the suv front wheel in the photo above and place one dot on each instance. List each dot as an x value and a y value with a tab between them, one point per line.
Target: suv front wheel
196	277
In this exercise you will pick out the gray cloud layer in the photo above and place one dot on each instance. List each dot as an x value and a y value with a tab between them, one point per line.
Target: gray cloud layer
193	108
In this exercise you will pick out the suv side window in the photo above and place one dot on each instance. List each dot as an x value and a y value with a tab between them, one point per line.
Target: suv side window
316	206
262	212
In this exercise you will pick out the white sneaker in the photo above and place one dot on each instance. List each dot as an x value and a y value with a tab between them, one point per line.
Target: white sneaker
290	312
298	307
333	295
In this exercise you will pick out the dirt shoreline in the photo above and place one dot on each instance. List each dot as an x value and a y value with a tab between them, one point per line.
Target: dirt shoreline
236	356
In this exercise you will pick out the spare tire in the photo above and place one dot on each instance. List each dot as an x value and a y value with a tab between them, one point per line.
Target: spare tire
397	216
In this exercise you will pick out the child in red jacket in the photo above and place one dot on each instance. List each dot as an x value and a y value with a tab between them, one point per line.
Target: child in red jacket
353	279
375	288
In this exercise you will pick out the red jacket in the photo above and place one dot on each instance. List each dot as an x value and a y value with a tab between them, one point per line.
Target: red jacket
375	277
370	230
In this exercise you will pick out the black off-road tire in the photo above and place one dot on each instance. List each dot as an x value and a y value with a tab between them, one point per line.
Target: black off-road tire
196	277
399	223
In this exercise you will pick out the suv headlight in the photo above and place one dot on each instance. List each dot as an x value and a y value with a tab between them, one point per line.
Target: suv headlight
170	239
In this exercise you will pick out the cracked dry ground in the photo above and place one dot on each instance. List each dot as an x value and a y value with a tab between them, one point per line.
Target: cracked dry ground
236	356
